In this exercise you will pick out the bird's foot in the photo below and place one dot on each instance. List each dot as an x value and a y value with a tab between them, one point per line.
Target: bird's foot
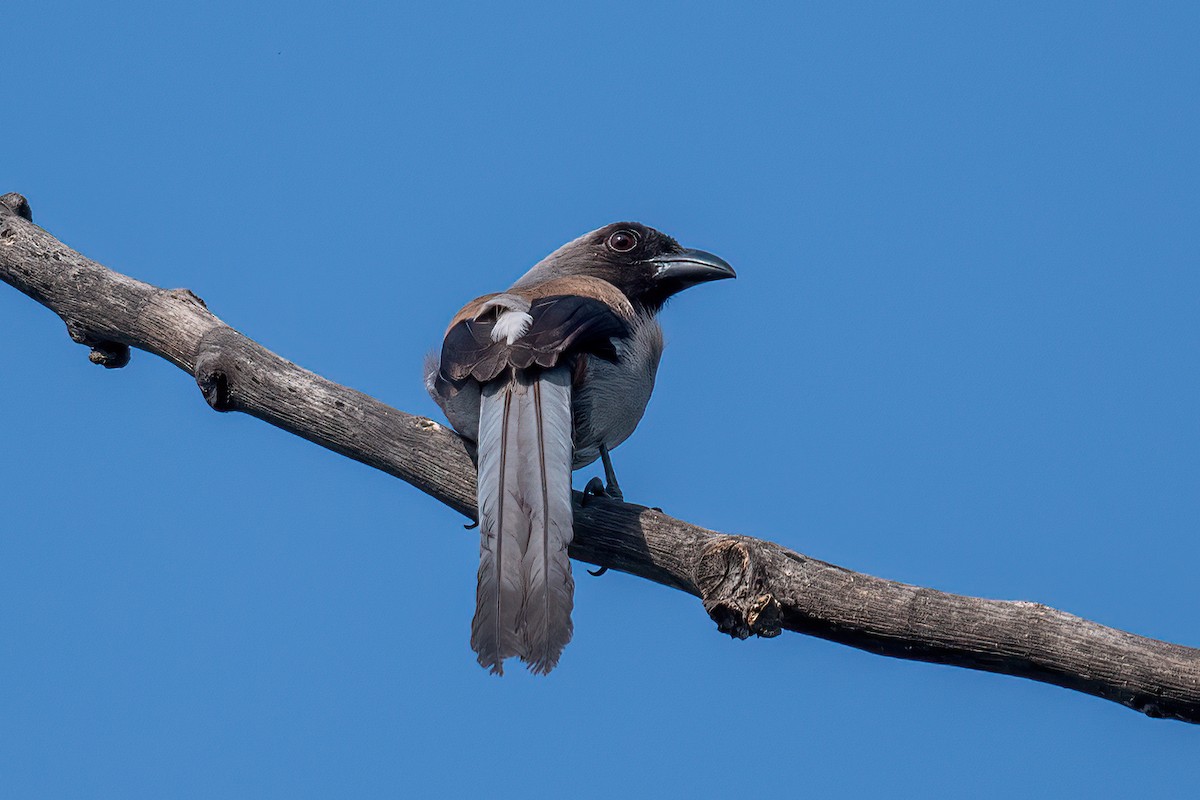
596	488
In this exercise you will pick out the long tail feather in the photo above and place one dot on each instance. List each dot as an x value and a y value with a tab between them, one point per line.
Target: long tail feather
525	590
503	532
549	588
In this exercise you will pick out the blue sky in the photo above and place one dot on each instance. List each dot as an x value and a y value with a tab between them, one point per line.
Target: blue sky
962	352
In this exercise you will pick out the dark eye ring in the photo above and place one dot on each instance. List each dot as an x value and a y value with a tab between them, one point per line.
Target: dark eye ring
622	241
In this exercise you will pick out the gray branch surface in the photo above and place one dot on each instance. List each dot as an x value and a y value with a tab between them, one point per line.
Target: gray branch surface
749	587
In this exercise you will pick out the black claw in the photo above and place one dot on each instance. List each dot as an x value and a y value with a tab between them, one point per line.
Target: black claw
472	526
594	488
598	572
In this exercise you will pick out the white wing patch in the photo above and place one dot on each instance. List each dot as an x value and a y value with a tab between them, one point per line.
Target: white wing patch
512	321
511	325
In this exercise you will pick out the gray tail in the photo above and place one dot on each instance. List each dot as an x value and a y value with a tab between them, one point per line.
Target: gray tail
525	594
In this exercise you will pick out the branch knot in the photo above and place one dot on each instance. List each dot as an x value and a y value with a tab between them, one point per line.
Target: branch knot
108	354
17	204
734	588
217	371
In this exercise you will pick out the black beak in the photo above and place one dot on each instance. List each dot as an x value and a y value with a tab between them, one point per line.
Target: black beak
690	267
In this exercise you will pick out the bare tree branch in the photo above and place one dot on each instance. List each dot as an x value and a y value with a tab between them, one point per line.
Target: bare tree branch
748	586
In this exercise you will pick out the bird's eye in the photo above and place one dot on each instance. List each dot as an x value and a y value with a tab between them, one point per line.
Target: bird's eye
622	241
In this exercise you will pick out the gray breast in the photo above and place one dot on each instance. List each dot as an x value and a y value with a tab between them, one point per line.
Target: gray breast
610	403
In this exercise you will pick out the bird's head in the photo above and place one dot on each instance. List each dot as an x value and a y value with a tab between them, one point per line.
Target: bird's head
645	264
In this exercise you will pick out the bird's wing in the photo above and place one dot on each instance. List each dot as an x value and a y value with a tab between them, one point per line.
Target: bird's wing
561	325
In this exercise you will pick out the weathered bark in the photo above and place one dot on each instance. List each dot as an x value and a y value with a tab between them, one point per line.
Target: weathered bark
748	586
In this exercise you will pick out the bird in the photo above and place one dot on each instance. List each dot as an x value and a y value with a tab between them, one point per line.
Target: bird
541	380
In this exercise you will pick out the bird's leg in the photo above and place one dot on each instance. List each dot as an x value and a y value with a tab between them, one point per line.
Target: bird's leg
613	490
597	488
